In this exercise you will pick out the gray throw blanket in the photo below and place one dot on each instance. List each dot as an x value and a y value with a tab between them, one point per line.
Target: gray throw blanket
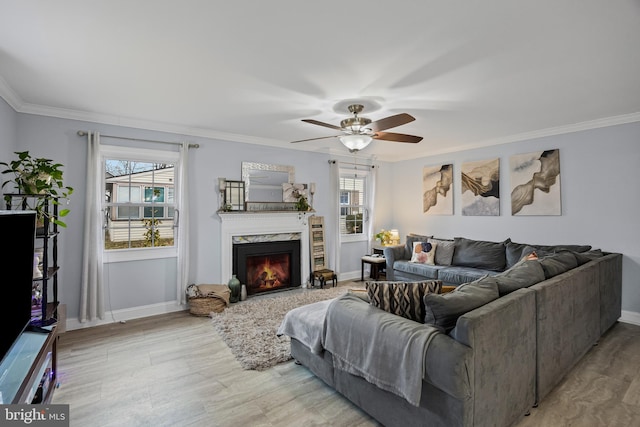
384	349
306	324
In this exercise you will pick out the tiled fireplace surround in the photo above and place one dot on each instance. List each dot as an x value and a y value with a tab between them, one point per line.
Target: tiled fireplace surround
243	224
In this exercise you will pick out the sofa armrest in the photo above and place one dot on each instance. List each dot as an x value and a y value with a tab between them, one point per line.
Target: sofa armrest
502	335
391	255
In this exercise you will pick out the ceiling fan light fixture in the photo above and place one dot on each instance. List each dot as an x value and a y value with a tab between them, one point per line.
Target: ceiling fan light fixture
355	142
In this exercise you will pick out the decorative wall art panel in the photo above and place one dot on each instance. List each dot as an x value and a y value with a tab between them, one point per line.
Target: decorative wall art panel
535	183
437	196
481	188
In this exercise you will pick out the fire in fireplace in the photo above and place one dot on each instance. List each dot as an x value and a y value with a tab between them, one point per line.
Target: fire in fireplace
267	266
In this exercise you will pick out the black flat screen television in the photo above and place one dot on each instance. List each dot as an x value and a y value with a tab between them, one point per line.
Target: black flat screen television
16	262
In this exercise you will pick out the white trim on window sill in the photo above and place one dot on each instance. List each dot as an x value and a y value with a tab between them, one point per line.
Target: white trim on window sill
137	254
348	238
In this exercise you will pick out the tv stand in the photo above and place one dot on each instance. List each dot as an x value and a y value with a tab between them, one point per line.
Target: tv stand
28	372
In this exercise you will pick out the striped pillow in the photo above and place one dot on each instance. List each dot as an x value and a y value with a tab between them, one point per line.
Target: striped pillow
404	299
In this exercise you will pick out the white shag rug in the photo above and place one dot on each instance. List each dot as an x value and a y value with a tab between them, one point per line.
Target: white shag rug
249	327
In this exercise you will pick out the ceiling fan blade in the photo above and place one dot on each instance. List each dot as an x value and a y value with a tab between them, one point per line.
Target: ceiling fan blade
397	137
327	125
313	139
391	122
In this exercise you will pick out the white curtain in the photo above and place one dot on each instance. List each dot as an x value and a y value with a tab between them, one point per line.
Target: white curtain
371	202
335	208
91	291
183	224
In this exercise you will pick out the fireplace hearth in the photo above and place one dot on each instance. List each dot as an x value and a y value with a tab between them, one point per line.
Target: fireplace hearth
267	266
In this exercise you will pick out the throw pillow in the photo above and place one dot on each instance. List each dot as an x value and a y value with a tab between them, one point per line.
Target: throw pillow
404	299
585	257
444	254
558	263
442	311
424	253
411	238
525	273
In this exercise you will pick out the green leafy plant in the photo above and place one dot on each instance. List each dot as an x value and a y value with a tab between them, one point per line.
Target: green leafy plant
302	204
38	176
384	236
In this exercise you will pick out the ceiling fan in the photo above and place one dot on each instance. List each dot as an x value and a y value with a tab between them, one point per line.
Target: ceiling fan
358	132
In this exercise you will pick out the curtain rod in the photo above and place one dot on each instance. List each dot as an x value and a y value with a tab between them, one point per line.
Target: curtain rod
84	133
332	162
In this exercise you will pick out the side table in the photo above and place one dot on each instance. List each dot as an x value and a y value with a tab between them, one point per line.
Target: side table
376	262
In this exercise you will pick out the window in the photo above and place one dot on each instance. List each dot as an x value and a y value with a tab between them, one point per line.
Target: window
352	204
139	202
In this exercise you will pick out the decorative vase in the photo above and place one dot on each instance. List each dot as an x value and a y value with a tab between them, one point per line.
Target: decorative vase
243	292
234	287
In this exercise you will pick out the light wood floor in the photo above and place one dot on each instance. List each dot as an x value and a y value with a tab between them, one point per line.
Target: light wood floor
174	370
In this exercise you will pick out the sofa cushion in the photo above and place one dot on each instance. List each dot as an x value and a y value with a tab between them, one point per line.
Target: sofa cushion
523	274
444	251
443	310
585	257
458	275
514	252
412	237
424	252
427	271
404	299
558	263
479	254
559	248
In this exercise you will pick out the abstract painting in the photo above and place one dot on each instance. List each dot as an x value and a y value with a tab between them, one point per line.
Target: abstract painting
535	183
437	196
481	188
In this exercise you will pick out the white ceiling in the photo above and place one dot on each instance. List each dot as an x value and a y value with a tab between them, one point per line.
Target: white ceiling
473	73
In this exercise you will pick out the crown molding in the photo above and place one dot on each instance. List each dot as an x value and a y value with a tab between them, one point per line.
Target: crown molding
542	133
10	96
14	100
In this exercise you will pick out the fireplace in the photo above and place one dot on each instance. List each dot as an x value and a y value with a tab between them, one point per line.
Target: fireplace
267	266
244	228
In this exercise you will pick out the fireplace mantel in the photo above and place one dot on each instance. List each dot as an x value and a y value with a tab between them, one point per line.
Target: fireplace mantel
235	224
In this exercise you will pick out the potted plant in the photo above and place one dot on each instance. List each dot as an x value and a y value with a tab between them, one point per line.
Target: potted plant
301	203
384	236
38	176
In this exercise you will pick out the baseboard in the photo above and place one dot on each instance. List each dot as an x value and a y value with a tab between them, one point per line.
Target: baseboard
632	317
350	275
124	314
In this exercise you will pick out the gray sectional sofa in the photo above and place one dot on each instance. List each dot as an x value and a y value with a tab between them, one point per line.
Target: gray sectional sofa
496	361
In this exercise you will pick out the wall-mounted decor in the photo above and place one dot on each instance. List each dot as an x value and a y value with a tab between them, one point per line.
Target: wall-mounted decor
437	196
263	181
481	188
535	183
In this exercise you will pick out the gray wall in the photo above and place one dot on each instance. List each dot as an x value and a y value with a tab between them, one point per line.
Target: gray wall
151	281
599	200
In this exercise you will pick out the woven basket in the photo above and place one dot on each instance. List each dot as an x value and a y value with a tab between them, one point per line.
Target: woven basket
203	306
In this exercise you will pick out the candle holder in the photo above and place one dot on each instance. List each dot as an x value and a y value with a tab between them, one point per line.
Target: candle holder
312	191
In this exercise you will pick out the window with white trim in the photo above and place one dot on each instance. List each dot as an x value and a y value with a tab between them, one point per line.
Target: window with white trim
139	205
353	204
